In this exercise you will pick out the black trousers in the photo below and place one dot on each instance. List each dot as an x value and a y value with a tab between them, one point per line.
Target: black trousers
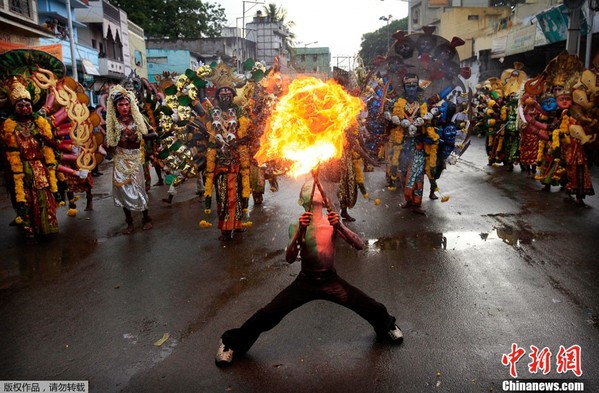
305	288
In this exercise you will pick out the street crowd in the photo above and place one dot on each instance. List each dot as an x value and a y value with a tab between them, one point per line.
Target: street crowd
208	125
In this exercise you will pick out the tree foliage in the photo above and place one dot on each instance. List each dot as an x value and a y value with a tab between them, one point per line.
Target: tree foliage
375	43
175	18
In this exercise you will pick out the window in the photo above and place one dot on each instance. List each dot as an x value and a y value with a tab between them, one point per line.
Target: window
22	7
138	58
94	44
415	15
472	17
314	58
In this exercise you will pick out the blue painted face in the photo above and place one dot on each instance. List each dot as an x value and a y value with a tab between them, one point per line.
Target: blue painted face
411	89
449	133
549	104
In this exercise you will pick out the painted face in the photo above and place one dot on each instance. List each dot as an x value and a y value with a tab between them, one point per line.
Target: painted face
410	85
549	104
411	89
564	101
123	107
306	195
449	133
225	96
404	48
23	108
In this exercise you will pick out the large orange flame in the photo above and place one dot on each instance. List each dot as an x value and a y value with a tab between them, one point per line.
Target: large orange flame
308	125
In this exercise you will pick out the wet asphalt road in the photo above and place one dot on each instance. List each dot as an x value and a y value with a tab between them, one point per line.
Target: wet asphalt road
498	263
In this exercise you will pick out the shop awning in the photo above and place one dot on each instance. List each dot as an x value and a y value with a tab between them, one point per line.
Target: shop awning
89	68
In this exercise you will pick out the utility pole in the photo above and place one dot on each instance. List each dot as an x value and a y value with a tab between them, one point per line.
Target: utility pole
343	59
592	4
573	38
72	41
387	19
243	26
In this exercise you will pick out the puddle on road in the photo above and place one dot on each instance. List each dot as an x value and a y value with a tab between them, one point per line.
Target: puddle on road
454	240
45	262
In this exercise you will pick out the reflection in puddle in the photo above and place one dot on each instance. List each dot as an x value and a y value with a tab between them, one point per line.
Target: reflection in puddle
44	262
453	240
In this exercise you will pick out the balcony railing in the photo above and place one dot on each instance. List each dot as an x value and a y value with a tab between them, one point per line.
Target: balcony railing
111	67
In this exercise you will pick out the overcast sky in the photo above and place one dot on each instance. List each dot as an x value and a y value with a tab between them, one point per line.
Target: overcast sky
337	24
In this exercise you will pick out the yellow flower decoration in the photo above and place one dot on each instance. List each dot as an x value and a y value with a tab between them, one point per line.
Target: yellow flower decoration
423	109
399	108
14	156
540	151
205	224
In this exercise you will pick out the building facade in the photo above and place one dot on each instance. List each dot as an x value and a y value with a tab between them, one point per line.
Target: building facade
532	32
269	37
316	61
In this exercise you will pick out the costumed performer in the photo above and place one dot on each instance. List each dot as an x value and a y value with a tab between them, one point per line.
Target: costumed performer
28	141
125	133
227	163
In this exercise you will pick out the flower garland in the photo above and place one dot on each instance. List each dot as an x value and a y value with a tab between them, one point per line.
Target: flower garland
540	151
14	155
431	150
423	109
209	173
244	158
564	129
49	156
399	109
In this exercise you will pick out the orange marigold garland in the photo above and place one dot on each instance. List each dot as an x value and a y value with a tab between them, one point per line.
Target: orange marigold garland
14	156
244	158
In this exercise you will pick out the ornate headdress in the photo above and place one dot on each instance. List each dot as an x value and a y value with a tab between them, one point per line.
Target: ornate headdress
18	91
564	71
113	133
222	76
118	92
514	79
